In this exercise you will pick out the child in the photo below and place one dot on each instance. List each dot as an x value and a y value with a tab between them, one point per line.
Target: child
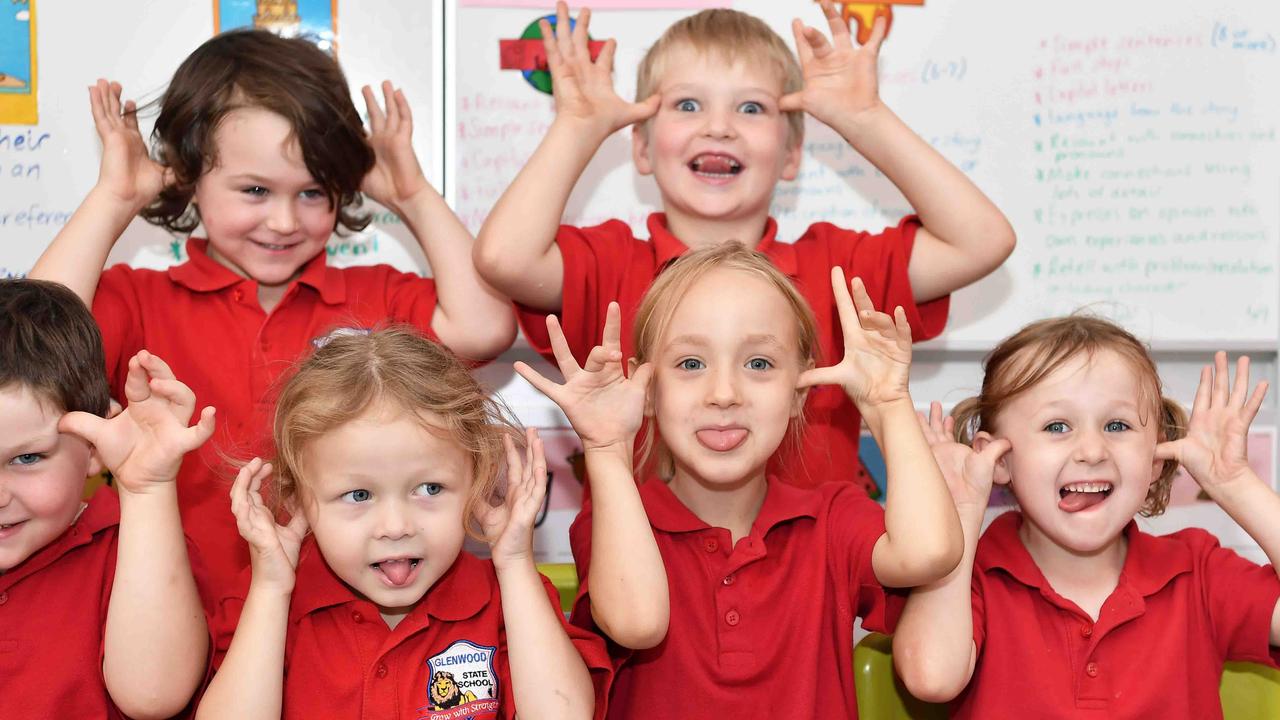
767	577
387	448
1075	611
720	112
258	142
99	614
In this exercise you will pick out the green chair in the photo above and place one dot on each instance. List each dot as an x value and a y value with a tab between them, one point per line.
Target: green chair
1249	691
565	577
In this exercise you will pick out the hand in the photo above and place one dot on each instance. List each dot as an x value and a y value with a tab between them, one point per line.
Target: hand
273	547
969	474
508	527
604	406
396	176
128	173
143	446
839	81
877	350
1213	450
584	89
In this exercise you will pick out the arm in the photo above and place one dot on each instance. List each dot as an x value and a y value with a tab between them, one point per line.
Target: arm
630	601
548	677
156	641
128	181
933	647
965	236
922	542
516	249
250	683
1213	451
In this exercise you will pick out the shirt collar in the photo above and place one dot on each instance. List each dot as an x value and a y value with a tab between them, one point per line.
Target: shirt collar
782	502
1150	562
459	594
202	273
668	247
101	513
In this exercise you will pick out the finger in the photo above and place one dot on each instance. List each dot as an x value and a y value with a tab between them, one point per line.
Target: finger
935	418
580	32
791	102
879	28
1220	378
1241	384
156	367
547	387
538	489
641	111
819	376
600	358
835	21
113	100
178	395
97	107
560	348
642	376
1201	403
563	36
136	387
1255	403
515	468
199	434
240	486
298	524
902	327
605	60
613	327
82	424
845	309
924	426
376	118
390	107
406	115
131	116
949	427
803	50
817	43
995	450
1169	450
549	46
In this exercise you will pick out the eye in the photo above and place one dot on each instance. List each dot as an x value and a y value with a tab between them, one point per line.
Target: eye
1057	426
691	364
357	496
759	364
751	107
255	191
313	194
431	489
1117	426
688	105
27	459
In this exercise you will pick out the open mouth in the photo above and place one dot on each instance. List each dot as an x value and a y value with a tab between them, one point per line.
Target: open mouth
1075	497
721	439
398	572
8	528
715	165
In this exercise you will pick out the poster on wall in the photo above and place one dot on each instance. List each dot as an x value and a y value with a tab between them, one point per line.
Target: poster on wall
315	20
18	63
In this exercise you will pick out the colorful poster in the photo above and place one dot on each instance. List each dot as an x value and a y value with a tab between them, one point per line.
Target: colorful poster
315	20
18	63
602	4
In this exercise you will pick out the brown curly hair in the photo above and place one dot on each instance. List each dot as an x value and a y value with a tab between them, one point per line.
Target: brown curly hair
254	68
1033	353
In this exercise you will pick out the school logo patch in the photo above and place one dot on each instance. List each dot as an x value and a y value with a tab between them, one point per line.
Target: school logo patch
463	684
323	340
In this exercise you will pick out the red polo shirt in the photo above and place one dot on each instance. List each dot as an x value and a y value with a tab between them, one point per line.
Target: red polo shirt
1183	607
760	629
205	321
53	611
607	263
342	661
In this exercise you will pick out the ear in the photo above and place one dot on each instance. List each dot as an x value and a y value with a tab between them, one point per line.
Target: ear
1001	475
791	161
640	148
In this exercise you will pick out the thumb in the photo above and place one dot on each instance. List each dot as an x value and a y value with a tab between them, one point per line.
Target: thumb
642	376
819	376
202	430
82	424
298	524
791	102
1169	450
995	450
645	109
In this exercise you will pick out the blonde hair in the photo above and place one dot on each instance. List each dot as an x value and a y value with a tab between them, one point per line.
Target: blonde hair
733	36
1033	353
663	297
352	373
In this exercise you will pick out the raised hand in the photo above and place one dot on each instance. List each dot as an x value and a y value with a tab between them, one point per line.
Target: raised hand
396	176
604	406
584	89
969	474
127	172
877	349
839	80
1213	450
508	527
143	446
273	547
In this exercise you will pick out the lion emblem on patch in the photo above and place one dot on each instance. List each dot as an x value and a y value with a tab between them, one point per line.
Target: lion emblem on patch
462	683
445	692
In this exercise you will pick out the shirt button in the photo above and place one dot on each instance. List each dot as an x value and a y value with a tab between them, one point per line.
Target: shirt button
710	545
382	670
1091	669
1086	630
732	618
728	580
4	597
357	617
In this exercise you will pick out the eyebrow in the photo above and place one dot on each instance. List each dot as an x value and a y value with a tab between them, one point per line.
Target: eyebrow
753	339
684	87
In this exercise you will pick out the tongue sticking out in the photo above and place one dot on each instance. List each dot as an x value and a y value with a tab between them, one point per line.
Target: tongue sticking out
715	164
722	440
397	571
1077	501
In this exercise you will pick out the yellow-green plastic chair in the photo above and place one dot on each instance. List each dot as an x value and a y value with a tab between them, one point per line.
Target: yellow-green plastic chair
1249	691
565	577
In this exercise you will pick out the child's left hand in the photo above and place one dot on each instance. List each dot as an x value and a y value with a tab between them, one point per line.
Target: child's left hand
396	176
839	81
508	528
877	350
143	446
1213	450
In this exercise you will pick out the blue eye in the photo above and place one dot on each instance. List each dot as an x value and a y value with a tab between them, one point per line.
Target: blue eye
28	459
431	489
1117	426
1057	426
313	194
691	364
759	364
688	106
357	496
751	107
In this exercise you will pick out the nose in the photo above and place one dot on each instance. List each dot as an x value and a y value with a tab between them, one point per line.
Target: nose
724	390
394	521
719	124
1091	446
283	219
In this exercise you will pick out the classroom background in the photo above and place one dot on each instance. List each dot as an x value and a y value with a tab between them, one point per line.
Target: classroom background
1132	145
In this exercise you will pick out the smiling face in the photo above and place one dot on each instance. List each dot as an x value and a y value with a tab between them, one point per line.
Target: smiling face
1083	452
724	389
719	144
385	497
263	212
42	477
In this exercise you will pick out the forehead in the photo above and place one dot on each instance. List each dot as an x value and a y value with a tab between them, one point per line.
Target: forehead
717	66
26	412
1098	378
254	139
729	305
386	443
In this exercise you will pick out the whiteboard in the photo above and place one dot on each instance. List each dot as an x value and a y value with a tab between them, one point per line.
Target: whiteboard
45	175
1132	146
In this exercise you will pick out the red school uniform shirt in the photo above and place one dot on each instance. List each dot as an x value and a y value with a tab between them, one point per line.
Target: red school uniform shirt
53	611
206	323
1184	605
759	629
608	263
342	661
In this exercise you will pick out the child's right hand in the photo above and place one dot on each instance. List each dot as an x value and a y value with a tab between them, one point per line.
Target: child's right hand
969	474
273	547
604	406
584	89
127	174
508	527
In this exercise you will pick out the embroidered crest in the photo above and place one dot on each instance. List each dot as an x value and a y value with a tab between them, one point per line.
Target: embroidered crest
463	684
323	340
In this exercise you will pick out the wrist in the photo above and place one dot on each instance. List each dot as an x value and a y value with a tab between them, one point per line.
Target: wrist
590	132
859	125
165	490
619	451
513	565
115	206
875	413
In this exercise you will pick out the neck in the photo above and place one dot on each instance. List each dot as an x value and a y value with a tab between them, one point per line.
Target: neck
268	295
1065	568
697	232
732	506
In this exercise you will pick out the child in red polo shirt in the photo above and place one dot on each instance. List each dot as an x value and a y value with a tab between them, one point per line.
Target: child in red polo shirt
1075	611
738	596
390	452
99	614
719	121
257	141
